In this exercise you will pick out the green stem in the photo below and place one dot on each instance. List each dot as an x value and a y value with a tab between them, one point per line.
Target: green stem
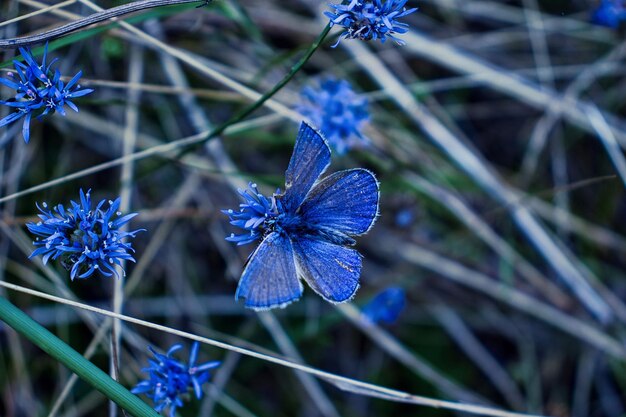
294	70
86	370
257	104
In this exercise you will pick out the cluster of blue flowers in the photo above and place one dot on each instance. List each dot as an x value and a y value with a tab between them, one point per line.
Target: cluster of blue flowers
86	239
254	215
38	91
610	13
335	109
170	380
371	19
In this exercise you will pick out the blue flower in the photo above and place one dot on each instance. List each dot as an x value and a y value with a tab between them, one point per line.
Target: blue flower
255	215
38	91
335	109
370	19
87	240
405	217
170	379
386	306
610	13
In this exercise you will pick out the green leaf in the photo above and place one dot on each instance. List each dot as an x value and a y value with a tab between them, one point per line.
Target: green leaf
86	370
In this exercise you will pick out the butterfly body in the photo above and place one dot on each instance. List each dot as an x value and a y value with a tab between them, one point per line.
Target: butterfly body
308	233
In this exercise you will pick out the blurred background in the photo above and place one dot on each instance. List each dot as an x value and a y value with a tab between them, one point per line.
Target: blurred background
496	133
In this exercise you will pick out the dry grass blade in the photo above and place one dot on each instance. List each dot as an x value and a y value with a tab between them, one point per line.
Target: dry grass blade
345	383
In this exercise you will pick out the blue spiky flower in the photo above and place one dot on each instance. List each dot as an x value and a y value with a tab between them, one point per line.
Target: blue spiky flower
610	13
386	306
370	19
171	380
38	91
337	111
86	239
255	214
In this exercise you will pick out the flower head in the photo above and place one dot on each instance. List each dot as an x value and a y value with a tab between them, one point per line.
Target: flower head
386	306
370	19
254	215
170	380
610	13
38	91
335	109
405	217
87	240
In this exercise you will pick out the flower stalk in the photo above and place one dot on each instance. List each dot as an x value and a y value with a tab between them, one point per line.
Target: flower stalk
271	93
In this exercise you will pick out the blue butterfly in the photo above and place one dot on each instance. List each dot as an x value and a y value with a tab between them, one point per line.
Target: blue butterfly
307	231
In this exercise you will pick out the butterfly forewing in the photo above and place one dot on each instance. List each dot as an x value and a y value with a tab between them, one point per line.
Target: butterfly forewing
311	157
331	270
346	201
270	279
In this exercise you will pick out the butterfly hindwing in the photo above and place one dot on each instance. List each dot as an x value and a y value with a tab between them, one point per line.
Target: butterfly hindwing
346	201
310	158
331	270
270	279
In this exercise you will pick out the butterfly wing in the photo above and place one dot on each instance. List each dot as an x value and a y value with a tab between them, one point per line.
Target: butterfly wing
310	158
331	270
270	279
346	201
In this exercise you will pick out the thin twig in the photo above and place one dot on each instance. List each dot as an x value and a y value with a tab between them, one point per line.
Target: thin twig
38	12
98	17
